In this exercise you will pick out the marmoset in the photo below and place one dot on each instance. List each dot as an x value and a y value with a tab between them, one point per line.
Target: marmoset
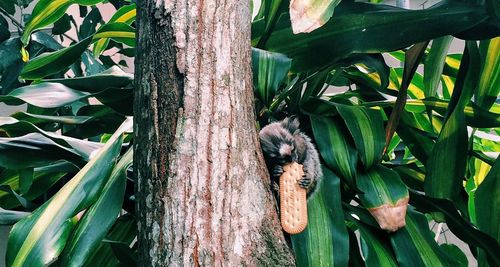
282	142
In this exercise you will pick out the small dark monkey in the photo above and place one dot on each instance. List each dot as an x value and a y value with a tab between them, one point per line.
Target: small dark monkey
282	142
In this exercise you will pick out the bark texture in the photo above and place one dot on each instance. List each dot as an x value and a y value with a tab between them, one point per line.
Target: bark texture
202	192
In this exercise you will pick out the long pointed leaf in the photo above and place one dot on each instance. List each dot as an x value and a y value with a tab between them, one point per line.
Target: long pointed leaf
40	238
99	218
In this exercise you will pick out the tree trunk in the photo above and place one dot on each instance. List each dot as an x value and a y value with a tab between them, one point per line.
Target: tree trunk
203	190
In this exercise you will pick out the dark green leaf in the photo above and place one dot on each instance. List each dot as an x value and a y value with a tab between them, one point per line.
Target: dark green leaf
414	245
357	27
40	238
54	62
451	147
4	29
89	23
376	250
434	63
99	218
62	25
9	6
10	217
367	129
325	240
335	147
25	180
462	228
44	95
488	201
269	70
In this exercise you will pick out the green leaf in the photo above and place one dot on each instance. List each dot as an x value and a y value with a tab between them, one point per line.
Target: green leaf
451	147
456	253
460	227
33	150
325	240
414	245
385	196
88	26
308	15
9	6
82	148
126	14
357	28
269	70
9	217
489	80
487	201
36	118
40	237
99	218
434	63
367	129
117	31
25	180
112	77
375	248
124	230
43	178
335	147
54	62
44	95
47	12
4	29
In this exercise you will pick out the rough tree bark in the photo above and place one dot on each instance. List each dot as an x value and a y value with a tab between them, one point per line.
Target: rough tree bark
202	192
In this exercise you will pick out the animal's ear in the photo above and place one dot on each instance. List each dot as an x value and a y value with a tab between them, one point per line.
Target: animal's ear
291	124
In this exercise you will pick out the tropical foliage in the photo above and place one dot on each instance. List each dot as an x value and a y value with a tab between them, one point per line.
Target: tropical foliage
388	134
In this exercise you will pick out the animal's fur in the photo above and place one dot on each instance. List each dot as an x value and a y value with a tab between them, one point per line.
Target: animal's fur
282	142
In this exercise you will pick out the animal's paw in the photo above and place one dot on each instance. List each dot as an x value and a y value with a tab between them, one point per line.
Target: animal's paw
277	171
305	182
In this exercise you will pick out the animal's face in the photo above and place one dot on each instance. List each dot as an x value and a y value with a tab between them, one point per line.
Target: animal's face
278	143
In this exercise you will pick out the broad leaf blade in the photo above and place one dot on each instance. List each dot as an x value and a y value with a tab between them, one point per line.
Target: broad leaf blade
325	240
367	129
385	196
40	238
269	70
335	147
54	62
99	218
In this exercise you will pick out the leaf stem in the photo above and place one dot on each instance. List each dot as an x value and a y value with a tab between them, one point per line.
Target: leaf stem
14	21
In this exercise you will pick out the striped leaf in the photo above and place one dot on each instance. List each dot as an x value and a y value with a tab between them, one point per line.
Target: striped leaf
385	196
376	250
486	203
126	14
39	238
54	62
489	80
43	178
124	230
461	227
367	129
335	147
450	149
99	218
414	245
434	63
269	70
359	27
325	240
308	15
47	12
117	31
